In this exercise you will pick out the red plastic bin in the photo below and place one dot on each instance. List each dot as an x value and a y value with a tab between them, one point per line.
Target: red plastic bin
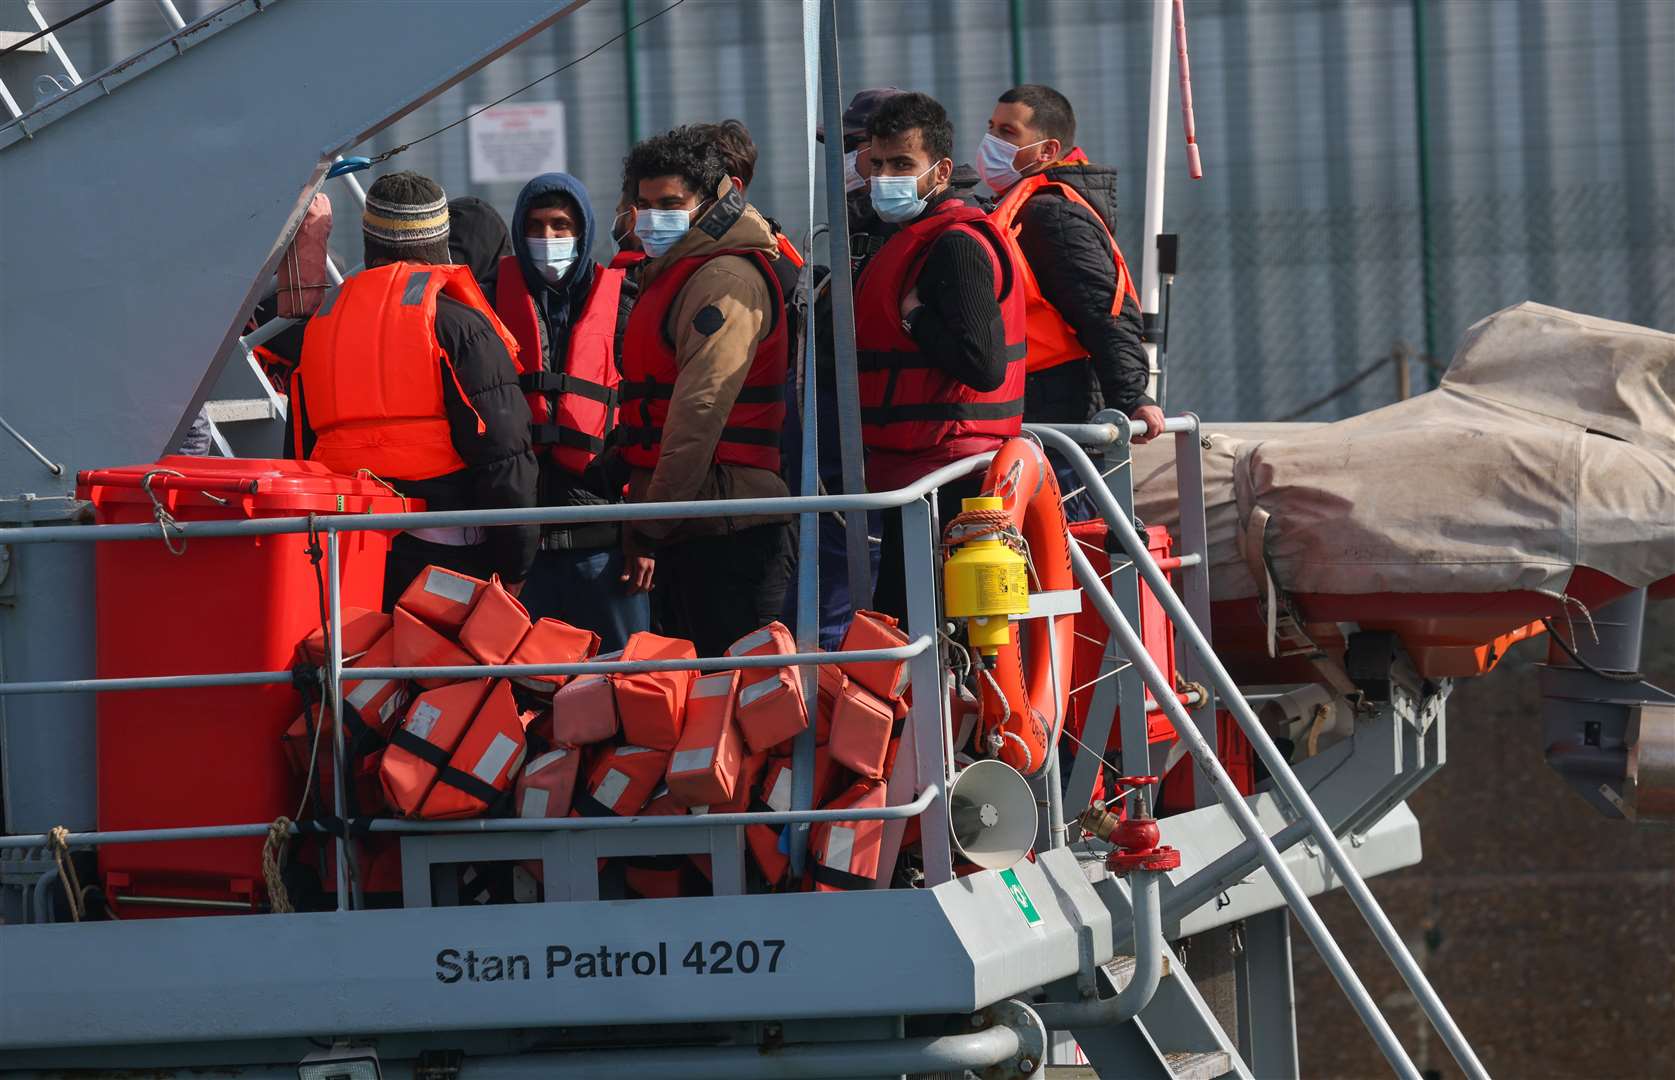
1156	633
209	755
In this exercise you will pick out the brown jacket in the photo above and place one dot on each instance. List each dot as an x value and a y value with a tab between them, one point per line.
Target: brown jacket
712	369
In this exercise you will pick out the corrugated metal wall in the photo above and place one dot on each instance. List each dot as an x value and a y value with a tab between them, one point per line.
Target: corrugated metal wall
1551	138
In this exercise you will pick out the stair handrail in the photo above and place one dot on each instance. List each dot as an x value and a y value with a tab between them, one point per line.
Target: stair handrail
1278	768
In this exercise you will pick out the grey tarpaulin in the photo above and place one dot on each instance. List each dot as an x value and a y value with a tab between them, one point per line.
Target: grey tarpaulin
1549	445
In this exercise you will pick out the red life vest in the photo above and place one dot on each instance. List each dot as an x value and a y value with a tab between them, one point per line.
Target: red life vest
369	363
573	407
622	260
1051	340
906	402
751	434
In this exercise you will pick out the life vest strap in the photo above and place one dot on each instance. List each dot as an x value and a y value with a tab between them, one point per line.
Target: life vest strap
651	436
587	806
422	749
840	879
558	382
938	411
906	360
473	786
770	394
560	435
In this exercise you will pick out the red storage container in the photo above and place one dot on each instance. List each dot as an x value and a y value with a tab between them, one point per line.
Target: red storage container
209	756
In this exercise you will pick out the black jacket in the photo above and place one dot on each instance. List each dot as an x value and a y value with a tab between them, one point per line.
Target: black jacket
1071	257
500	470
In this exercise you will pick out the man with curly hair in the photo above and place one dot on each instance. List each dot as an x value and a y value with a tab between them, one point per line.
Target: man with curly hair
702	399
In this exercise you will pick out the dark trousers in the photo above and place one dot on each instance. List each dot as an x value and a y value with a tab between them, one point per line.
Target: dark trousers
409	556
584	588
1078	507
716	589
836	607
889	595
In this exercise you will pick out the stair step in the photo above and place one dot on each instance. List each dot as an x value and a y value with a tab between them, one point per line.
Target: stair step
1198	1064
241	410
1120	970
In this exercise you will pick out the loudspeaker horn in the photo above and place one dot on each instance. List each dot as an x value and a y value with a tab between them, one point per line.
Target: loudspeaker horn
993	814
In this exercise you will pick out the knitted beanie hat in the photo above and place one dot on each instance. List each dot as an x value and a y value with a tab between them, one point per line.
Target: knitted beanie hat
406	220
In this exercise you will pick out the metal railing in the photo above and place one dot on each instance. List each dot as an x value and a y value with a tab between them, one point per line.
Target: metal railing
1203	752
920	535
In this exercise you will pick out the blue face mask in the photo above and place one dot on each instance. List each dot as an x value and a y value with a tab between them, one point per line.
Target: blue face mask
896	198
660	230
552	256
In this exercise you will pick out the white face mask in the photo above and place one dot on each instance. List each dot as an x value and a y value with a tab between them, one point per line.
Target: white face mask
660	230
554	256
896	198
994	161
853	181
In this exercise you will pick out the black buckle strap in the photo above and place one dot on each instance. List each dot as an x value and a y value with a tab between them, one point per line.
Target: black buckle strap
563	435
473	786
422	749
558	382
840	879
638	389
891	360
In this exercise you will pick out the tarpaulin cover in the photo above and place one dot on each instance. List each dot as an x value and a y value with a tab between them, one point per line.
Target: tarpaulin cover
1550	445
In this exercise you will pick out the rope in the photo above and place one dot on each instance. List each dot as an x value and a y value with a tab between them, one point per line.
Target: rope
1576	658
273	860
58	842
393	151
160	513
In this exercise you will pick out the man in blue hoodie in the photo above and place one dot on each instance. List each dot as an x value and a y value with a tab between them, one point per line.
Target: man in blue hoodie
567	314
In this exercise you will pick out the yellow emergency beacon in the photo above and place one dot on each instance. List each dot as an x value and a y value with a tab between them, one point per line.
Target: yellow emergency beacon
984	582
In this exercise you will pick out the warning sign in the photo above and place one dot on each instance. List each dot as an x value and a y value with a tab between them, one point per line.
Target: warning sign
511	143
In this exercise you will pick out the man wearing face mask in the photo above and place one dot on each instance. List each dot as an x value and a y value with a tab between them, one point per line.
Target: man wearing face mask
704	366
939	323
1057	212
568	314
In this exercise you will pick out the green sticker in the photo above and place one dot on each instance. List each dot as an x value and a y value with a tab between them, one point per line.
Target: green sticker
1020	896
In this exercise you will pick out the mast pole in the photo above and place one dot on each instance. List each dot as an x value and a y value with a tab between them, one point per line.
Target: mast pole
1157	134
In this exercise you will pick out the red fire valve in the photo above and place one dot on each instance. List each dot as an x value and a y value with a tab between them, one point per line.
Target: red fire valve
1137	848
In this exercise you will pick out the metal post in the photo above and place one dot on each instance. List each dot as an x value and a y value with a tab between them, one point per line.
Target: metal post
843	313
1195	583
1245	819
808	524
1422	134
1157	135
925	675
53	45
171	14
334	694
1278	768
631	70
1132	999
1015	34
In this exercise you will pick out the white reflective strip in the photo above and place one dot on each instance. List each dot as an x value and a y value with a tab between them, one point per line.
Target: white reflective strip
440	582
901	682
686	761
757	691
751	642
534	803
391	704
623	751
424	718
840	847
494	759
698	809
712	685
549	758
365	691
611	788
779	798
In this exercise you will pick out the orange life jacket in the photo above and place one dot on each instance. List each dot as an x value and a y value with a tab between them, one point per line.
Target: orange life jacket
1051	340
374	387
906	402
752	430
572	402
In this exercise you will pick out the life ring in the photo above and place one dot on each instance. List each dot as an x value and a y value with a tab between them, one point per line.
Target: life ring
1022	721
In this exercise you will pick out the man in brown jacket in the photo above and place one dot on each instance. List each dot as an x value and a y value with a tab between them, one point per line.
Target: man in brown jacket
704	366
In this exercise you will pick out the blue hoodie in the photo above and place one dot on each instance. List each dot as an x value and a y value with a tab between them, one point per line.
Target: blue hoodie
560	305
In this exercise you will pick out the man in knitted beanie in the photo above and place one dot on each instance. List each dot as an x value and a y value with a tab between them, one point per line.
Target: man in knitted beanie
415	383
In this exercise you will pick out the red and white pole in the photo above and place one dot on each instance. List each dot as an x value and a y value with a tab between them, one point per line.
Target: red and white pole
1195	167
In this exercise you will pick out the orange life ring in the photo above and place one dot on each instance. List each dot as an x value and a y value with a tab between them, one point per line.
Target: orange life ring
1021	722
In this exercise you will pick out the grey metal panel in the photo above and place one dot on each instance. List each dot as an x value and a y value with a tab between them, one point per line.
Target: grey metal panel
193	259
953	949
